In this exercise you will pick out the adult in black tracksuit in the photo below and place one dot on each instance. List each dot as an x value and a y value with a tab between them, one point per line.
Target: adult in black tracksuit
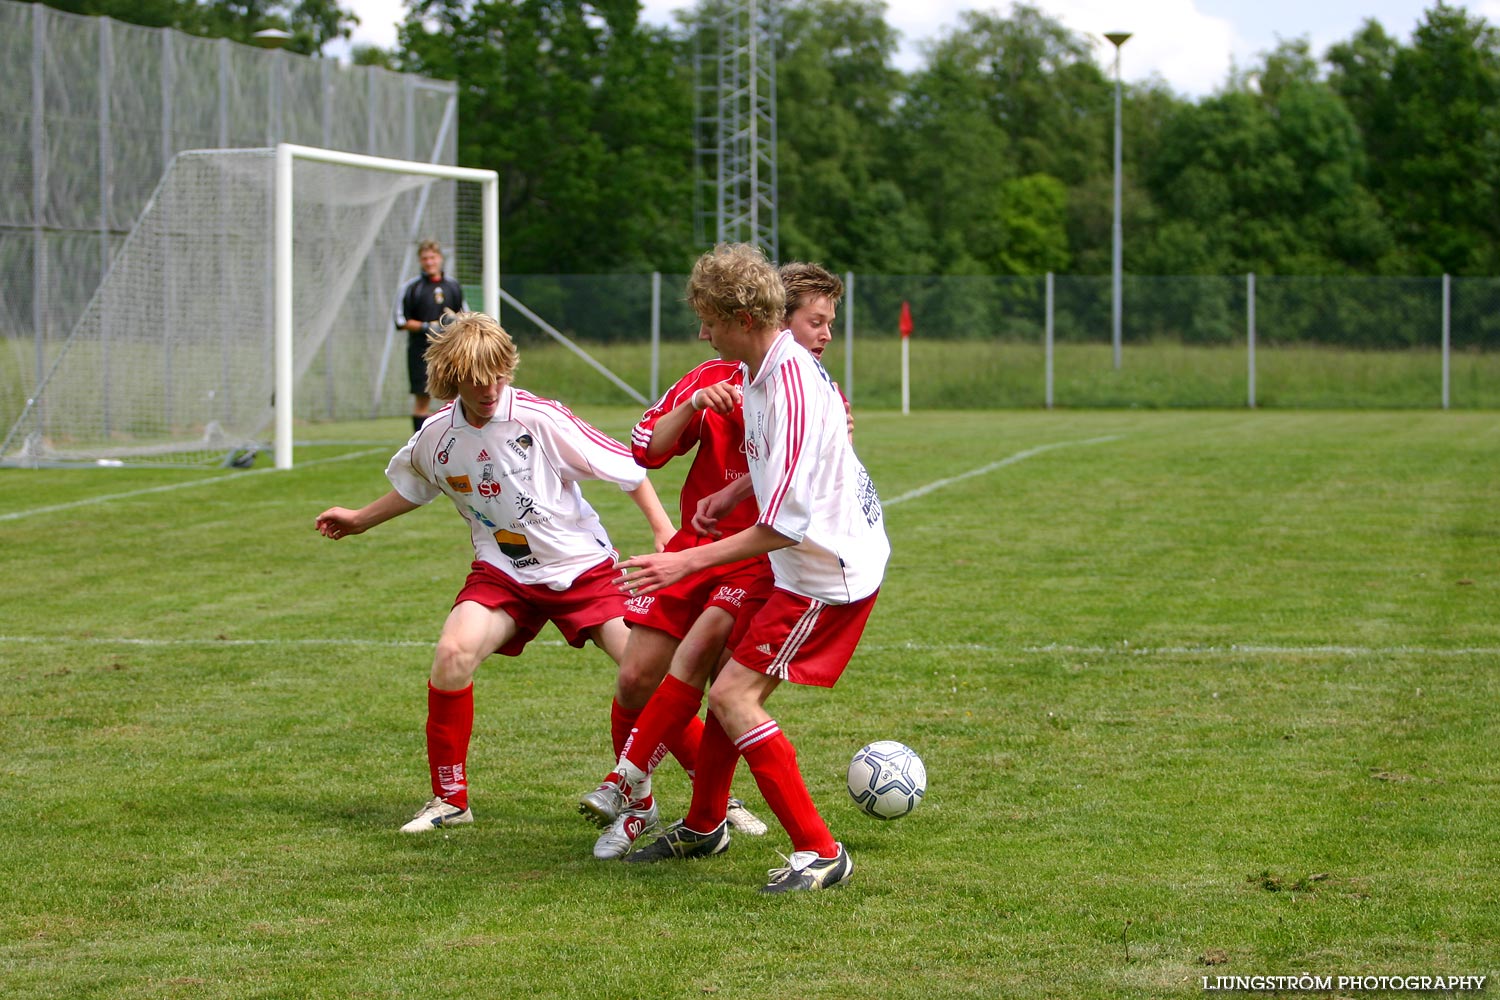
424	299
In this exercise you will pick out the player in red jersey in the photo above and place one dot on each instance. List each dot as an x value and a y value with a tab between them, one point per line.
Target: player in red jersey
821	524
510	462
682	631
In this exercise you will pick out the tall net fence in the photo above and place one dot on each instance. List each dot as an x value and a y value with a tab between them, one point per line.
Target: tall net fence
1198	341
173	355
94	110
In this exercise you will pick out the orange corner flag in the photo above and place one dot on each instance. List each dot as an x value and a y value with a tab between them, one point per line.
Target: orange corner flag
905	318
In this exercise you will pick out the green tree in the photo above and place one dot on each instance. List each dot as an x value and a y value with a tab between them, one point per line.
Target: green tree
1436	144
1268	177
837	91
586	115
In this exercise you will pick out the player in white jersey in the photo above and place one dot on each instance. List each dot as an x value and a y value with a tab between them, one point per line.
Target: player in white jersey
821	523
510	462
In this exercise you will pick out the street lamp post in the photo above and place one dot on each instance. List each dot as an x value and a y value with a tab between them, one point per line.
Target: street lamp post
1116	304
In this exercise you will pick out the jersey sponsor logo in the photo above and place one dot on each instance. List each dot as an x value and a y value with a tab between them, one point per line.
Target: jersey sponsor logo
442	456
730	595
869	500
640	604
525	507
515	547
460	484
489	487
437	295
483	456
520	445
479	516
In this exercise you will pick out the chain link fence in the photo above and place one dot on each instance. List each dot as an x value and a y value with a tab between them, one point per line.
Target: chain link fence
1310	342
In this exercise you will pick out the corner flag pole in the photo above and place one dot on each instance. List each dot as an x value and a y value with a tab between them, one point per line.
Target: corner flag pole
906	328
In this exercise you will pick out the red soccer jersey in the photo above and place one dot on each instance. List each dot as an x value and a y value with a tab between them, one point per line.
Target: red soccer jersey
720	441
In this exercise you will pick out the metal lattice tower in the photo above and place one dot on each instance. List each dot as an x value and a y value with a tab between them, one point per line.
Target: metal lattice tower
735	116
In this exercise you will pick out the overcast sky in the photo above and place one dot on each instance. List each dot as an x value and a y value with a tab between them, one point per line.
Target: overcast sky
1190	44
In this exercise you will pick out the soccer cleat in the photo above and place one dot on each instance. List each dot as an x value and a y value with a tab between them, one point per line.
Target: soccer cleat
680	842
604	804
805	871
622	833
437	813
743	820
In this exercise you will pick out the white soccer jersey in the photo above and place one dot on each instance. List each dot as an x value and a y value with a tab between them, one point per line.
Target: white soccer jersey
515	480
809	483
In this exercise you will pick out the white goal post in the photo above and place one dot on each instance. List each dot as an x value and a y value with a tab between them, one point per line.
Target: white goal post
258	288
285	274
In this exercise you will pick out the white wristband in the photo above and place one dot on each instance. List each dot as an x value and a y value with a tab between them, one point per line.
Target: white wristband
694	400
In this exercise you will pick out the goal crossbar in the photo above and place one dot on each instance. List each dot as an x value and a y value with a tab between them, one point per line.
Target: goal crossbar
287	154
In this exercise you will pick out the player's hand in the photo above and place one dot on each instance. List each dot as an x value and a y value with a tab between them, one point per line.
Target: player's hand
336	522
706	517
649	573
721	397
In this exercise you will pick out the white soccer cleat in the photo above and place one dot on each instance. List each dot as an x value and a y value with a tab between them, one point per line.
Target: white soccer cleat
604	804
805	871
622	834
743	820
437	813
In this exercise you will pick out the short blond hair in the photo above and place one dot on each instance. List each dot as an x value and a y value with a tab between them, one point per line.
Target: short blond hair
805	281
467	348
735	279
432	245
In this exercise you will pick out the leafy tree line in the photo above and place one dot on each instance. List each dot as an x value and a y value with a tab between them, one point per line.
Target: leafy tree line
1376	157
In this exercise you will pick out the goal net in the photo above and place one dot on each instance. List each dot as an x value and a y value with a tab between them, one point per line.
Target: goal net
256	292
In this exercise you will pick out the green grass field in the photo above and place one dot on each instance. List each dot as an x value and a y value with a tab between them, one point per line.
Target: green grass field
1199	693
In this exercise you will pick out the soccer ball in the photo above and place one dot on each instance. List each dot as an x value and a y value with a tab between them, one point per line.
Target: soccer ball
887	779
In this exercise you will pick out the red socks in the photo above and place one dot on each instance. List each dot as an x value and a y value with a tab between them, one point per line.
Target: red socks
621	720
717	759
668	722
450	723
773	761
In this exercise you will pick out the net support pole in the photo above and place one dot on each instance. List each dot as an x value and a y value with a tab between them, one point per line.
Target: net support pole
1447	336
282	304
1048	336
849	336
655	334
1250	338
490	204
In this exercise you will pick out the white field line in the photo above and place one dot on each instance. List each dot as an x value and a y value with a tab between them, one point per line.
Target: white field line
909	495
110	498
1230	650
1020	456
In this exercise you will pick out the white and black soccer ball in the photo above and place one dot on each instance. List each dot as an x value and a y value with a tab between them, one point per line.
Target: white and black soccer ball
887	779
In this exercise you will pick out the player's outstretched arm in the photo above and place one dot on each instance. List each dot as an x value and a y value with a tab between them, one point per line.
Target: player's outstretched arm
646	499
649	573
336	522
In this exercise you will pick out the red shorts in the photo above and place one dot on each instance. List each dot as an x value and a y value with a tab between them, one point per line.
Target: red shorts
736	587
802	640
590	602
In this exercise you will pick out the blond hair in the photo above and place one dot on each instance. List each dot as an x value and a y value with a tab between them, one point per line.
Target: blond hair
427	245
805	281
735	279
467	348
